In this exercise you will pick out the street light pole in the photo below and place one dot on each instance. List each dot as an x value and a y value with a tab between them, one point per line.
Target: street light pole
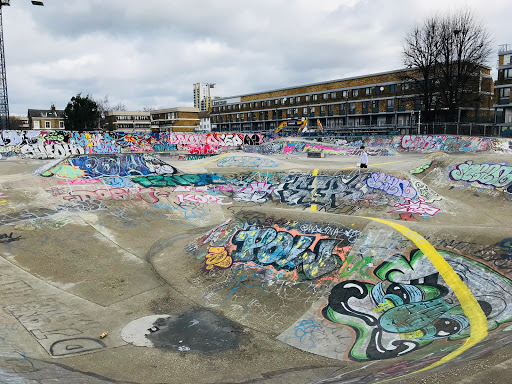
4	100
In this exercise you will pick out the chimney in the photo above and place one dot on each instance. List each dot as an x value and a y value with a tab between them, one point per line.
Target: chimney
53	108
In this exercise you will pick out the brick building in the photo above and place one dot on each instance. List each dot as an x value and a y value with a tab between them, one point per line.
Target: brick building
502	87
46	119
127	121
180	119
383	99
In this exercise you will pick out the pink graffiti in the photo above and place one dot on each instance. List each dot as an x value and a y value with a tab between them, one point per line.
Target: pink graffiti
149	195
81	181
418	207
202	199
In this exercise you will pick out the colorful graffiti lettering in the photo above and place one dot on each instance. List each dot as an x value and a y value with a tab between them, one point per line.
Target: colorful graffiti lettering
411	306
391	185
180	180
492	174
418	207
218	257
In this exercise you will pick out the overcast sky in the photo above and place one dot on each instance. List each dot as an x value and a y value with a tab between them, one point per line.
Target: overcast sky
149	53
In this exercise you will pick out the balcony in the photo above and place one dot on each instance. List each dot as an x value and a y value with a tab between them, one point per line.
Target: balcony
504	100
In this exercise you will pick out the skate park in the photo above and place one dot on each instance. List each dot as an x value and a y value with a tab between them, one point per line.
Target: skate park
243	258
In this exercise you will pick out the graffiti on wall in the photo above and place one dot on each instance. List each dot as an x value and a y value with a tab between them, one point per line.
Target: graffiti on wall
246	161
100	166
411	306
497	175
293	250
43	144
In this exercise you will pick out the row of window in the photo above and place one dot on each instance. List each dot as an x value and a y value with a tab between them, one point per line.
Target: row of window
47	124
126	117
341	109
368	91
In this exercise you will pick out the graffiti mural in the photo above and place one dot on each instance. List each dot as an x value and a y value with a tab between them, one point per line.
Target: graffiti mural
391	185
411	306
56	144
487	174
282	247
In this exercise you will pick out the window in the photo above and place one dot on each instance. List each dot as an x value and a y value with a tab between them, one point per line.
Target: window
61	124
342	108
288	112
375	106
330	110
229	108
368	91
36	125
333	95
352	108
291	100
392	88
295	112
507	73
322	110
379	89
405	86
307	98
390	104
304	111
297	99
365	106
251	105
504	93
262	103
47	124
355	92
268	103
344	93
315	97
325	96
276	101
312	111
507	59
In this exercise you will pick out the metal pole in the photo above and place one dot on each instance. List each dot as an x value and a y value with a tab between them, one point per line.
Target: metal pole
4	101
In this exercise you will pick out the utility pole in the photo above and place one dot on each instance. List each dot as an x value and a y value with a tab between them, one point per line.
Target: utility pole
4	100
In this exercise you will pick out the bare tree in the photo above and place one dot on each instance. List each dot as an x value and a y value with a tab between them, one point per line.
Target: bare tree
449	52
421	51
465	48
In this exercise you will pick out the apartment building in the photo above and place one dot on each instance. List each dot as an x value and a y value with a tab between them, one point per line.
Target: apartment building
180	119
502	87
127	121
381	99
46	119
204	93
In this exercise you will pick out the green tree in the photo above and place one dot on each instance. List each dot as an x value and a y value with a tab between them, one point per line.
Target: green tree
81	114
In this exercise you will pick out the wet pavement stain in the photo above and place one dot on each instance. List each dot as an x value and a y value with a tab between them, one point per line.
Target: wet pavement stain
199	330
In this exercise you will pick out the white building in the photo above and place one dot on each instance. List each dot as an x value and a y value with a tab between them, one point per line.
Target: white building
204	122
203	96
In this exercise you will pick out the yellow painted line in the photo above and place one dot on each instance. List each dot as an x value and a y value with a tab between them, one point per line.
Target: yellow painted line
314	206
470	306
208	162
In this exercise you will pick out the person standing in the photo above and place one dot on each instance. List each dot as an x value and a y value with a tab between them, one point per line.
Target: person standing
363	161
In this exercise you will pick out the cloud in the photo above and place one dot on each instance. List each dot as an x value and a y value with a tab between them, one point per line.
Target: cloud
150	53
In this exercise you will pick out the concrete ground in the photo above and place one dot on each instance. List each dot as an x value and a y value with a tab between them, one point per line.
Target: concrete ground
85	257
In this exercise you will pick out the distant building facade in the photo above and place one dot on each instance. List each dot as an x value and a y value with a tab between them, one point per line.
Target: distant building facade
127	121
204	122
503	86
19	122
46	119
180	119
204	93
382	99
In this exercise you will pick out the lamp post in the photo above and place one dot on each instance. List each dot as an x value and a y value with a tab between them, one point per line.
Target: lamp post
4	100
